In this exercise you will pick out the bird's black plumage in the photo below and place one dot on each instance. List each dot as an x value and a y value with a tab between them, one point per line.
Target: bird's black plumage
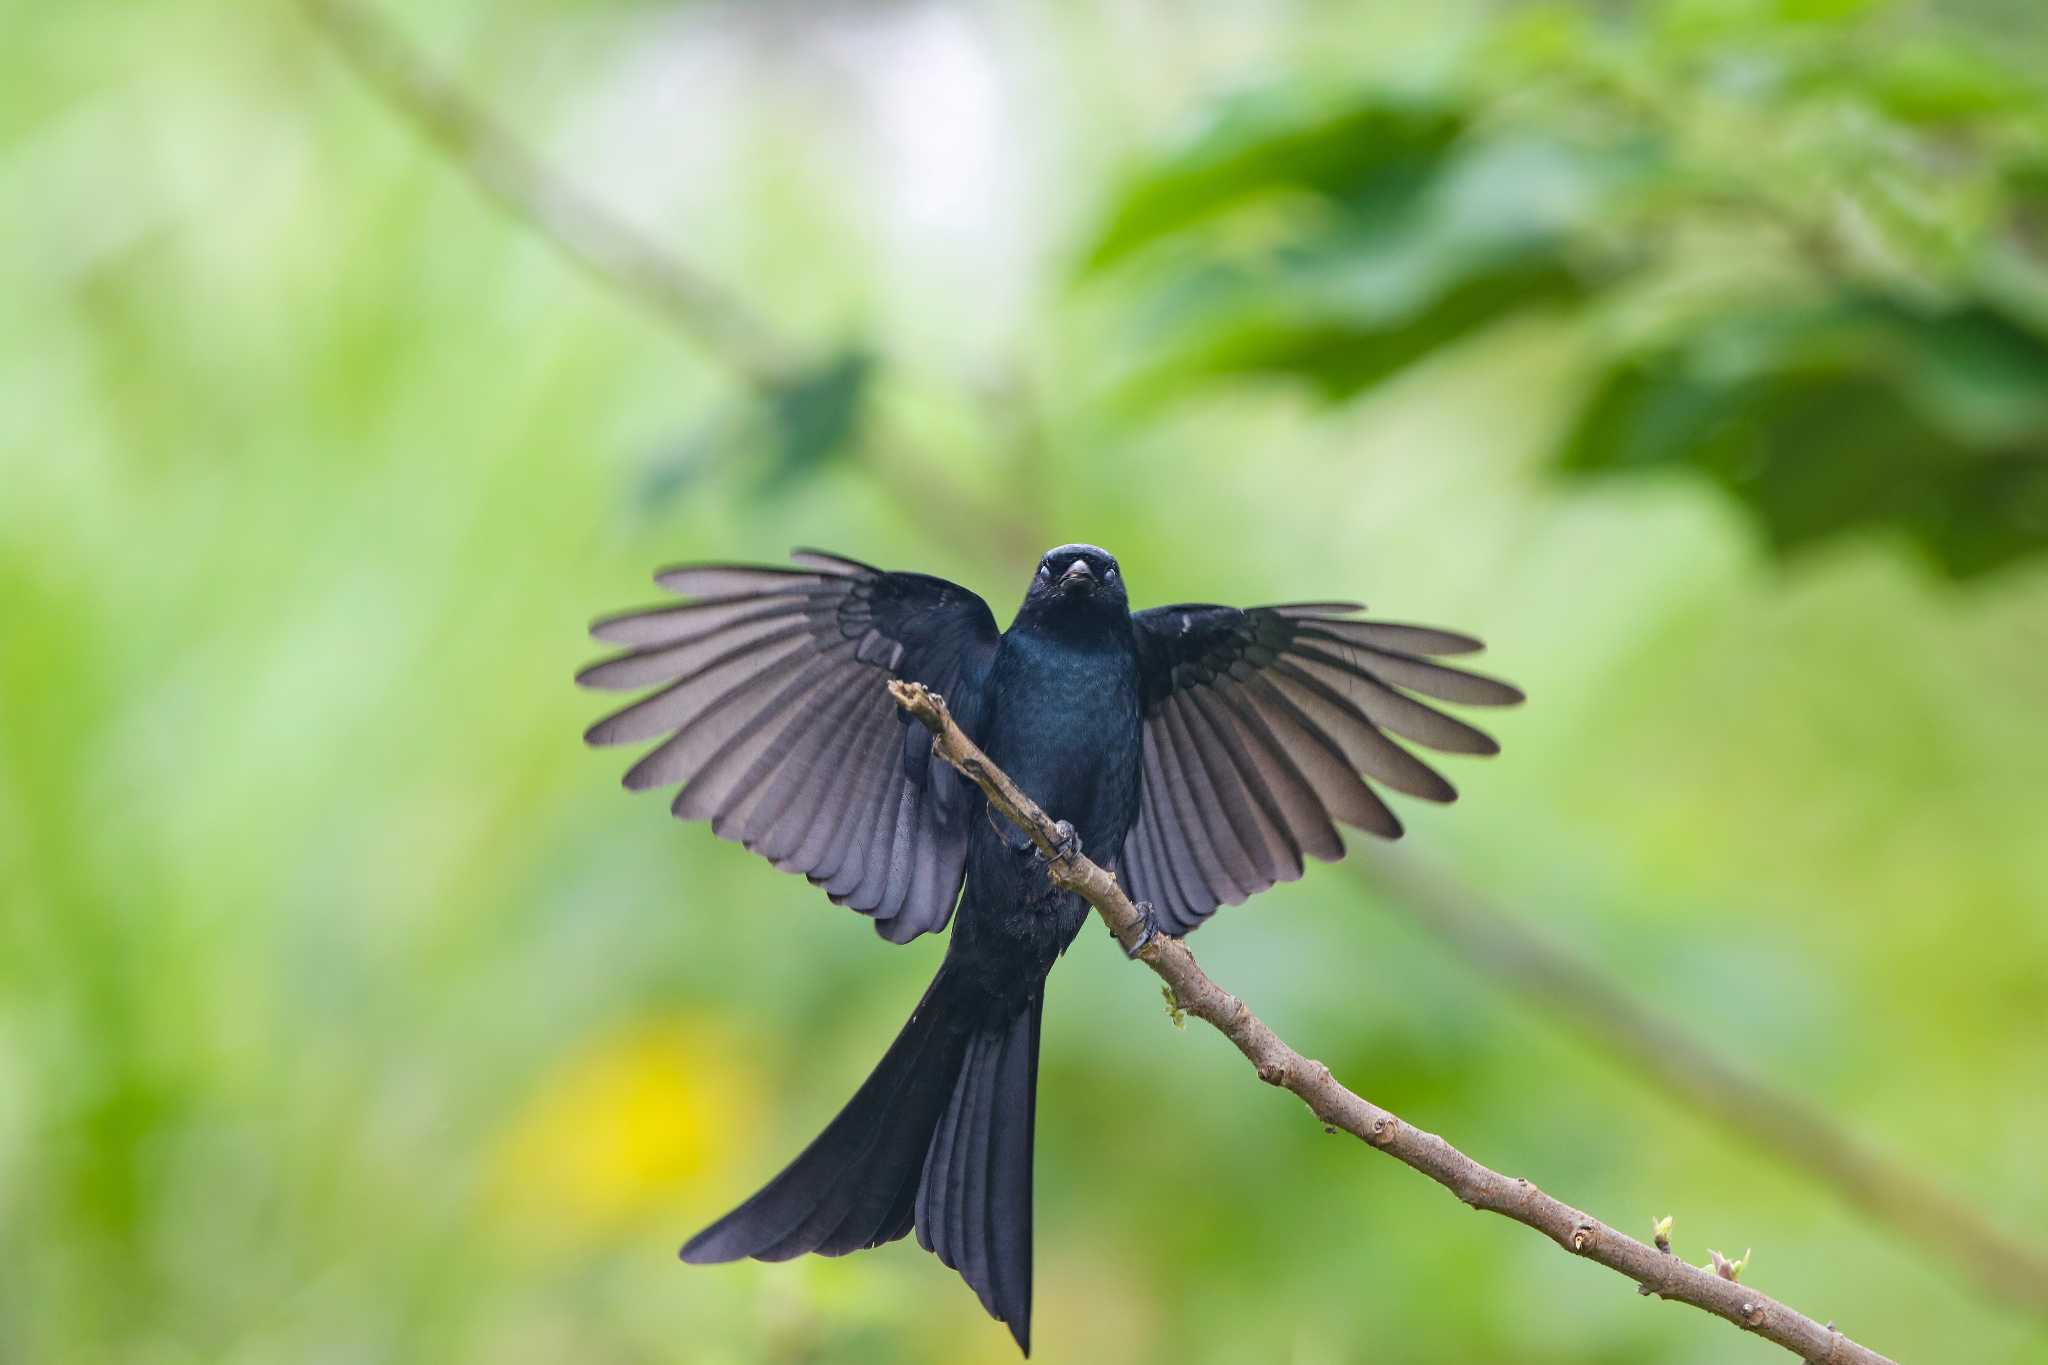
1201	751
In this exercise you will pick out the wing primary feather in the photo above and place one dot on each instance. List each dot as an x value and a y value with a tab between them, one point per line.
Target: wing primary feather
899	873
1366	746
1295	804
1400	636
697	748
920	902
737	785
856	888
1209	835
1176	906
1164	890
838	841
1139	870
1295	609
1323	760
824	561
667	662
698	693
1200	881
673	624
1142	872
797	793
1430	679
863	893
698	738
854	796
730	580
716	789
1393	710
1246	804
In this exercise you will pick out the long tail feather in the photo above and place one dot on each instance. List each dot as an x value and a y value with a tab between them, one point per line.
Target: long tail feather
939	1136
974	1206
852	1187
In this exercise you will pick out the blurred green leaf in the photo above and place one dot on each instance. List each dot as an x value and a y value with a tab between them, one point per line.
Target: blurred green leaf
1339	352
1940	83
816	417
1834	239
1415	255
1267	145
1859	415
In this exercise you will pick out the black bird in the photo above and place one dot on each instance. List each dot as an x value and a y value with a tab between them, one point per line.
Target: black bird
1200	751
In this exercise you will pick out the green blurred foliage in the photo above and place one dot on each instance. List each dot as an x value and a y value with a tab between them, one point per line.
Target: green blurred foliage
349	1011
1807	239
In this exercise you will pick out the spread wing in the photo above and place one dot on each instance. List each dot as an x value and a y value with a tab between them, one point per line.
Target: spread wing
1262	727
772	714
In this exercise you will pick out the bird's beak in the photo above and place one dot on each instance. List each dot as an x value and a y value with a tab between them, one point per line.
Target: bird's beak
1078	575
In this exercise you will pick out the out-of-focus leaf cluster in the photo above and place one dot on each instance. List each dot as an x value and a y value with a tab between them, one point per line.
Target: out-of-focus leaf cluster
790	434
1803	261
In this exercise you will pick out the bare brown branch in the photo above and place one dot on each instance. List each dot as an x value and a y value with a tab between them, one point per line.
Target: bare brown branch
1655	1272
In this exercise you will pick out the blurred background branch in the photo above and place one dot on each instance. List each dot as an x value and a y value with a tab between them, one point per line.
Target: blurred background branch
587	233
817	404
1357	156
1712	1089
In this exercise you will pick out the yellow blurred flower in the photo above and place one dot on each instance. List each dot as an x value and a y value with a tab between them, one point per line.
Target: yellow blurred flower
628	1126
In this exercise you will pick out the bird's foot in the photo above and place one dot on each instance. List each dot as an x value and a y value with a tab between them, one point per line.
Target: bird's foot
1151	930
1067	847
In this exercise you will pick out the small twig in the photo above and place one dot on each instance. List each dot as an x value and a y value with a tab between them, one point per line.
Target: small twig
1278	1064
622	257
602	243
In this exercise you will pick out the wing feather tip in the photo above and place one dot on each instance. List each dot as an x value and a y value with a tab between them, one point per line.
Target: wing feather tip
1384	825
614	627
597	677
1313	609
824	561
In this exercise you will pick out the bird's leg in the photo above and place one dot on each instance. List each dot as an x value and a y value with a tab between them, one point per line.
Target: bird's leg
1152	927
1067	848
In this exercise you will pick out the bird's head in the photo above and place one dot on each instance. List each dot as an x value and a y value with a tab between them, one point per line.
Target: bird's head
1077	581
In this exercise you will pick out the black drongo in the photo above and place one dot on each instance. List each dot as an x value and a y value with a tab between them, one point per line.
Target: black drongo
1199	751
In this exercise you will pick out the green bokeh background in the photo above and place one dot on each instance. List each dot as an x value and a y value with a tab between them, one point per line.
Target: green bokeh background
350	1012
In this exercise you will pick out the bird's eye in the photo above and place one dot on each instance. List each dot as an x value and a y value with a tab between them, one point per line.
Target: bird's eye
1045	571
1109	575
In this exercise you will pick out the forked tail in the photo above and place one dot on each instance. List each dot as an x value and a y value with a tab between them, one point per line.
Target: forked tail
939	1136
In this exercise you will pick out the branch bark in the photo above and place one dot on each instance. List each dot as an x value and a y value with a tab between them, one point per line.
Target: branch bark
1654	1271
